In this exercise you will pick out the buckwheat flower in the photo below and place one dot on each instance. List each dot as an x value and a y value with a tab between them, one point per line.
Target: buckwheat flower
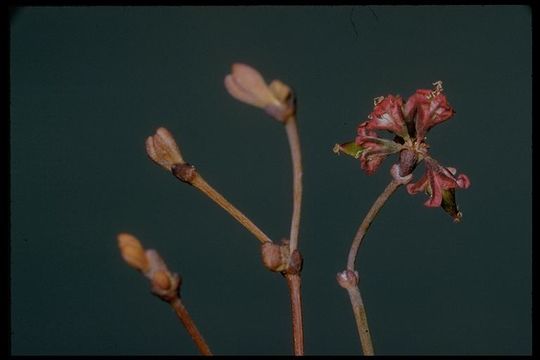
163	150
388	115
428	108
409	123
439	183
375	148
246	84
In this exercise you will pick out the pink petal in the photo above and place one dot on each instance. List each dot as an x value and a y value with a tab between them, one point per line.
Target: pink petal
387	115
428	110
463	181
247	84
241	94
435	198
418	186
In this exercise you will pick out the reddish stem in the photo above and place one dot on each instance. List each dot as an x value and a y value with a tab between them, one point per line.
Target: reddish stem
293	281
366	223
188	323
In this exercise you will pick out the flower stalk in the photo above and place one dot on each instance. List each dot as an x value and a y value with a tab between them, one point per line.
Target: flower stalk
247	85
164	284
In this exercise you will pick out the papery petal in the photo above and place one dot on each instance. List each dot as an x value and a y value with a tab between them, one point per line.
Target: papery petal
437	182
387	115
435	187
428	109
370	163
418	186
375	148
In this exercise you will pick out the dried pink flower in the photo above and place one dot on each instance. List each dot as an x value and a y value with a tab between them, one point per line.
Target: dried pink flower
437	183
409	122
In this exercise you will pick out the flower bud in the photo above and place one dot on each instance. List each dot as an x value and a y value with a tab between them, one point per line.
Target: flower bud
347	279
133	252
165	285
246	84
275	257
161	280
163	150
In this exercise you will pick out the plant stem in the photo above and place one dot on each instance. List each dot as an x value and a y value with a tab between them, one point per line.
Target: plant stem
366	223
293	282
188	323
293	279
208	190
354	291
361	320
296	156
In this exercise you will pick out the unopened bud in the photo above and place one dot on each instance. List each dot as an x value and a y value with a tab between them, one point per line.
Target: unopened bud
275	257
163	150
246	84
133	252
347	278
161	280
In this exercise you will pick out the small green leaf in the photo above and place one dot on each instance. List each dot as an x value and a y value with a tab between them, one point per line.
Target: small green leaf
349	148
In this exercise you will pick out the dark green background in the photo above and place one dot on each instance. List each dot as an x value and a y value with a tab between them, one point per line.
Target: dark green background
89	84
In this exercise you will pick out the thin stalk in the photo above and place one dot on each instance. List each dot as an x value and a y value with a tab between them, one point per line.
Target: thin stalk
188	323
213	194
296	156
361	320
366	223
293	281
354	291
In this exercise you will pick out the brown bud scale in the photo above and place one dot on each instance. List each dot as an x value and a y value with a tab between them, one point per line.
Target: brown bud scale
184	172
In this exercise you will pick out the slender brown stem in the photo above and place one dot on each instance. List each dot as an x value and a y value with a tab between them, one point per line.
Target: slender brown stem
208	190
352	288
296	156
366	223
293	281
188	323
361	320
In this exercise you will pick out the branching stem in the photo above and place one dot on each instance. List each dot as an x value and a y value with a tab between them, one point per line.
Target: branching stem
354	291
199	182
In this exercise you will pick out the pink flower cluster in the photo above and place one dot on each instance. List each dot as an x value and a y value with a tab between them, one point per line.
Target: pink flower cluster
409	122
